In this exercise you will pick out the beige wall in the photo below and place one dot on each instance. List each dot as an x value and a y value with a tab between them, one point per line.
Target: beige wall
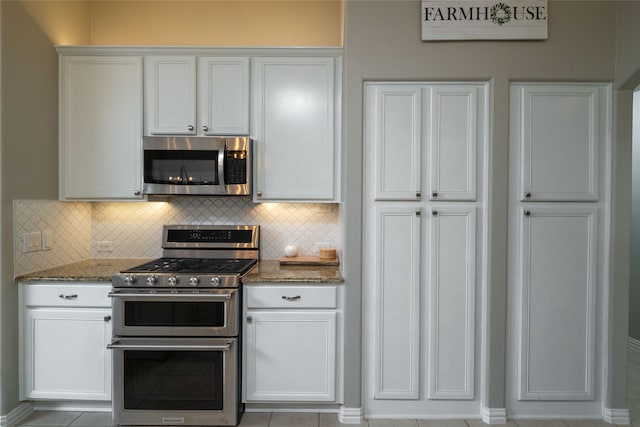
29	144
190	23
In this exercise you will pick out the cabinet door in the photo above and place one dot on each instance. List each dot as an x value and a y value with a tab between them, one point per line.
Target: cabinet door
559	129
452	272
65	354
100	128
393	134
396	342
293	116
556	299
453	137
290	356
223	96
170	95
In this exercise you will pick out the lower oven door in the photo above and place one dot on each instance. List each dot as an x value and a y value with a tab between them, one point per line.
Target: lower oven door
175	381
187	313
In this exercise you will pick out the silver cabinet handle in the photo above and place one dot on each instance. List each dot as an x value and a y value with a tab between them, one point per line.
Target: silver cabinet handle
418	194
190	127
107	318
259	193
527	213
249	319
286	298
205	128
527	194
137	193
418	212
434	194
434	212
73	296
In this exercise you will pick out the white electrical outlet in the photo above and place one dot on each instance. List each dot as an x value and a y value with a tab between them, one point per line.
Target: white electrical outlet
105	246
47	240
31	242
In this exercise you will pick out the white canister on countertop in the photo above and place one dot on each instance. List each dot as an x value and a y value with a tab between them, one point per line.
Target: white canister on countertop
290	250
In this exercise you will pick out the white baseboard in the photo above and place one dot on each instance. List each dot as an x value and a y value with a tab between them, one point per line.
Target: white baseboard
494	415
14	417
617	416
351	415
634	344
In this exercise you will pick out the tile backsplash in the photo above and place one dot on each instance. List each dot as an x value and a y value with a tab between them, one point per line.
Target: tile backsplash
135	229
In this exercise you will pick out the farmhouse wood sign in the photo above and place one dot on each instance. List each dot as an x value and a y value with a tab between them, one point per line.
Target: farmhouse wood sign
484	20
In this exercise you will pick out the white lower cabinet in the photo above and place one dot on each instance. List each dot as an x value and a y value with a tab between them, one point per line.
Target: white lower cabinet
290	343
64	331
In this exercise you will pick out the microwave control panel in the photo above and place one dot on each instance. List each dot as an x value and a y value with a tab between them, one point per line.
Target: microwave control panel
235	170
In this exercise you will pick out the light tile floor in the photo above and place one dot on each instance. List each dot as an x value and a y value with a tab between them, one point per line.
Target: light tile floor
279	419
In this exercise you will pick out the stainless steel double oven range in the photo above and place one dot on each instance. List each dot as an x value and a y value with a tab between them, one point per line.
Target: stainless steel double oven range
176	329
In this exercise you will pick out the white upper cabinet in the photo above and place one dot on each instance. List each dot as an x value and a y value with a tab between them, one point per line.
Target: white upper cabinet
452	142
223	95
558	130
100	127
294	123
185	95
425	136
395	130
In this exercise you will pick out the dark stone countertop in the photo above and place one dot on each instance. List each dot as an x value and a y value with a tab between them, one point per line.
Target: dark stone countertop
101	270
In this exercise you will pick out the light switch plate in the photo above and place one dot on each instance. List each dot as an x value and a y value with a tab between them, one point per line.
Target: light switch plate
47	240
31	242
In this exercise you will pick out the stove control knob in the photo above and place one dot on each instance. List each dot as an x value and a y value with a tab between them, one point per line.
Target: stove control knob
151	280
129	280
215	281
193	281
172	280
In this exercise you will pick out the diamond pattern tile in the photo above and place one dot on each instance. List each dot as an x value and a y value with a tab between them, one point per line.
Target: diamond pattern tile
135	229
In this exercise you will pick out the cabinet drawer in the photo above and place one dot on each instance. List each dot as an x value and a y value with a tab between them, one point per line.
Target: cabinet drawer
291	297
53	295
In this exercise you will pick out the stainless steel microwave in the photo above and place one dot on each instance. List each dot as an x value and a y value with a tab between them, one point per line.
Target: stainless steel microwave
199	166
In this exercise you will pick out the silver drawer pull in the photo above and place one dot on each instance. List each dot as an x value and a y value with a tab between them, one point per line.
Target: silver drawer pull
286	298
73	296
107	318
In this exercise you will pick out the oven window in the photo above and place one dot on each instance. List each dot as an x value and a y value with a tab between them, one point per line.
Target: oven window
189	167
198	314
173	380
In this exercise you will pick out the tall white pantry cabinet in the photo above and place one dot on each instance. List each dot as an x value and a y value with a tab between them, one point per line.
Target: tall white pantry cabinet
559	256
426	227
425	153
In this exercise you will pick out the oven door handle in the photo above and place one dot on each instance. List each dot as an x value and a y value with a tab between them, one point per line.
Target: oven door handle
116	345
173	295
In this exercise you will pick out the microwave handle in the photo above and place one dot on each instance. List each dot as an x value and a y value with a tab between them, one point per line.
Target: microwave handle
221	155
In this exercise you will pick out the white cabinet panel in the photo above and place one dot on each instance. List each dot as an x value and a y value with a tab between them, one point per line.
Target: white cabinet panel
170	95
452	142
65	354
290	355
223	95
64	332
557	303
396	289
395	138
559	129
294	125
452	273
100	128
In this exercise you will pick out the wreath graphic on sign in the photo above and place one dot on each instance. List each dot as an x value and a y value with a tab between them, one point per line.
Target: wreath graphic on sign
500	13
